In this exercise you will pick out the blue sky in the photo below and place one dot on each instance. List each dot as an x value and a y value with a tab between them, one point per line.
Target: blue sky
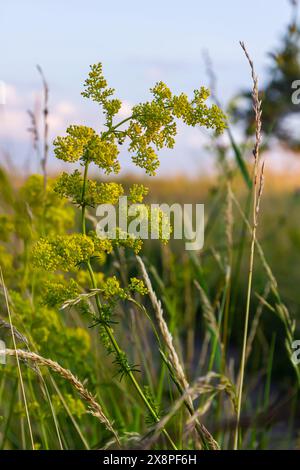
138	43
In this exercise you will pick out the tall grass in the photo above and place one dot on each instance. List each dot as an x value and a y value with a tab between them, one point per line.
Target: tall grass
258	175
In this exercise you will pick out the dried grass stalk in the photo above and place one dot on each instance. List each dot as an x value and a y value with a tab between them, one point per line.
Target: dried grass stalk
258	179
94	407
173	356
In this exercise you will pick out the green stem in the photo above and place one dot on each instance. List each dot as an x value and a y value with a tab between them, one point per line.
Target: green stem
107	328
113	128
247	313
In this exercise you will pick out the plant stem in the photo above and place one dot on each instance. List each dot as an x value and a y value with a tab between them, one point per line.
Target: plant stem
246	325
107	328
257	192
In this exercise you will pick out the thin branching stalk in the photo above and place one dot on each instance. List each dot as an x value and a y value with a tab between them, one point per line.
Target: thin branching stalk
44	161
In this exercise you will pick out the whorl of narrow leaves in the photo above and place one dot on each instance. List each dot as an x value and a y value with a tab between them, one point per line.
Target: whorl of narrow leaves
95	87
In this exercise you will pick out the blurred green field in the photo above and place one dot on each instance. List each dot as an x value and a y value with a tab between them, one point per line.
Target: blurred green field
270	416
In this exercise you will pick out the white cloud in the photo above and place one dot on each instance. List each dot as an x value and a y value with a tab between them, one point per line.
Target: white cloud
61	116
193	138
15	120
13	98
154	72
125	110
65	108
14	123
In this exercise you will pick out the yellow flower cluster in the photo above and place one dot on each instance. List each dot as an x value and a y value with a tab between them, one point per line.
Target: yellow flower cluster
40	211
72	147
75	406
58	292
46	324
112	291
137	193
111	288
153	123
151	126
6	227
82	143
64	252
95	88
70	186
138	286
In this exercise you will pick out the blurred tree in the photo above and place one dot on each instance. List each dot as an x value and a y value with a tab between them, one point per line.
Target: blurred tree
280	114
